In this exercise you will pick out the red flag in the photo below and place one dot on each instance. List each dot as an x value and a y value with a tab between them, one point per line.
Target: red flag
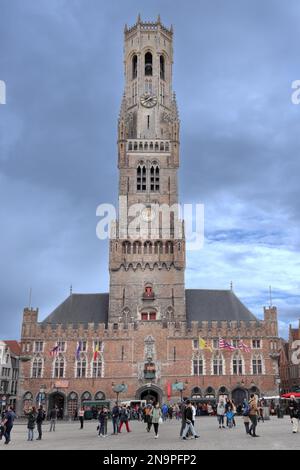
169	391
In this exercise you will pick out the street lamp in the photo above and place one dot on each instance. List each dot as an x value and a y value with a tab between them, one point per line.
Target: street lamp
119	389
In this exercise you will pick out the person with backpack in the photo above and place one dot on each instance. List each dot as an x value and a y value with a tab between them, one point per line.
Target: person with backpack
7	423
148	416
124	418
253	414
39	421
189	428
31	420
246	418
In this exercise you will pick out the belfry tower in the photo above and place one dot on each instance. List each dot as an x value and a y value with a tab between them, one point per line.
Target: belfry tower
147	264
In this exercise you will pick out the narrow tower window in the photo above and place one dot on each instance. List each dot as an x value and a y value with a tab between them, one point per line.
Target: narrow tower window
148	122
134	67
162	67
148	64
141	178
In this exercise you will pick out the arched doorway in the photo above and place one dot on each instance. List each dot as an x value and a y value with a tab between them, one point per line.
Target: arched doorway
239	395
150	393
57	400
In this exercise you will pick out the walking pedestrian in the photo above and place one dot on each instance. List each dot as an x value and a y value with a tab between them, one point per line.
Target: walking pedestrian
53	418
39	422
8	423
164	412
221	413
124	418
294	411
31	420
81	417
148	417
188	421
183	422
115	414
253	414
246	418
156	418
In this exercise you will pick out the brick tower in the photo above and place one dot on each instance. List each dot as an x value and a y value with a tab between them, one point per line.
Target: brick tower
147	262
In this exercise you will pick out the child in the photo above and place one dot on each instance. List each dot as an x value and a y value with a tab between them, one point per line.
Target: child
230	416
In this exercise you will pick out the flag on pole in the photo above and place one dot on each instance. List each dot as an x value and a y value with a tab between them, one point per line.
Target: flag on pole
78	351
225	345
96	352
102	348
54	351
244	347
203	344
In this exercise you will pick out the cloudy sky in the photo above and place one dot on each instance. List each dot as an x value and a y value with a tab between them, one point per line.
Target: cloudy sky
235	61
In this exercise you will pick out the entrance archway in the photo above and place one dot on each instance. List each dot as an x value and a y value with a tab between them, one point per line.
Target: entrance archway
150	393
239	395
57	400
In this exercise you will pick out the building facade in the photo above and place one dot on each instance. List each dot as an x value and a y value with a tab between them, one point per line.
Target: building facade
146	334
290	362
9	372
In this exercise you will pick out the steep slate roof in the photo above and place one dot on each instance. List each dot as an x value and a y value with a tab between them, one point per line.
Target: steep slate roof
14	347
202	305
215	305
80	308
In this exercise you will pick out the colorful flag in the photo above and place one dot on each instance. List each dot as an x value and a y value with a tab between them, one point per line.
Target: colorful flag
78	351
225	345
54	351
96	352
203	344
244	347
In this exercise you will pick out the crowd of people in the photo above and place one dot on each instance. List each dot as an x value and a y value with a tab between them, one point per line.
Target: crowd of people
153	415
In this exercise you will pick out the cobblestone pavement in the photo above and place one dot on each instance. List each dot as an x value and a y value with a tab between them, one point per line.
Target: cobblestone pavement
275	434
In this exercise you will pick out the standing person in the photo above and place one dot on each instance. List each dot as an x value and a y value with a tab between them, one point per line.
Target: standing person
39	422
101	419
221	413
230	417
148	412
31	420
294	413
8	422
124	418
188	421
81	417
260	412
156	418
164	411
183	422
194	413
246	418
53	418
253	414
115	414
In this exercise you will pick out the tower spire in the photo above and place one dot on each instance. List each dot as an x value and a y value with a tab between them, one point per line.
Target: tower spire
270	292
139	20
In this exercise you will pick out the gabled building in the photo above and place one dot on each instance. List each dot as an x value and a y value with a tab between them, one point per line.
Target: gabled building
290	362
9	372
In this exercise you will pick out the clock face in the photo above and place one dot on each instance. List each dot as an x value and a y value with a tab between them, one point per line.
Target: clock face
148	100
148	214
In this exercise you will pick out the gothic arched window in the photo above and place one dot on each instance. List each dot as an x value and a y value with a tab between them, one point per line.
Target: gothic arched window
148	64
162	67
237	364
141	178
81	368
134	67
154	178
59	368
218	364
257	365
37	368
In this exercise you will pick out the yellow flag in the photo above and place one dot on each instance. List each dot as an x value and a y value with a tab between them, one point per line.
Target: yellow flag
203	344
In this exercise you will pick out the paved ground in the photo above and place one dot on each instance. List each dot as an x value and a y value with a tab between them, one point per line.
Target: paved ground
274	434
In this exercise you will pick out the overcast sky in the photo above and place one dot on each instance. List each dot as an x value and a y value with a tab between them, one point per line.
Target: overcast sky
62	62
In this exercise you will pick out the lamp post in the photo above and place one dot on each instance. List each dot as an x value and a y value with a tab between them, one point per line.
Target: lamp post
119	389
